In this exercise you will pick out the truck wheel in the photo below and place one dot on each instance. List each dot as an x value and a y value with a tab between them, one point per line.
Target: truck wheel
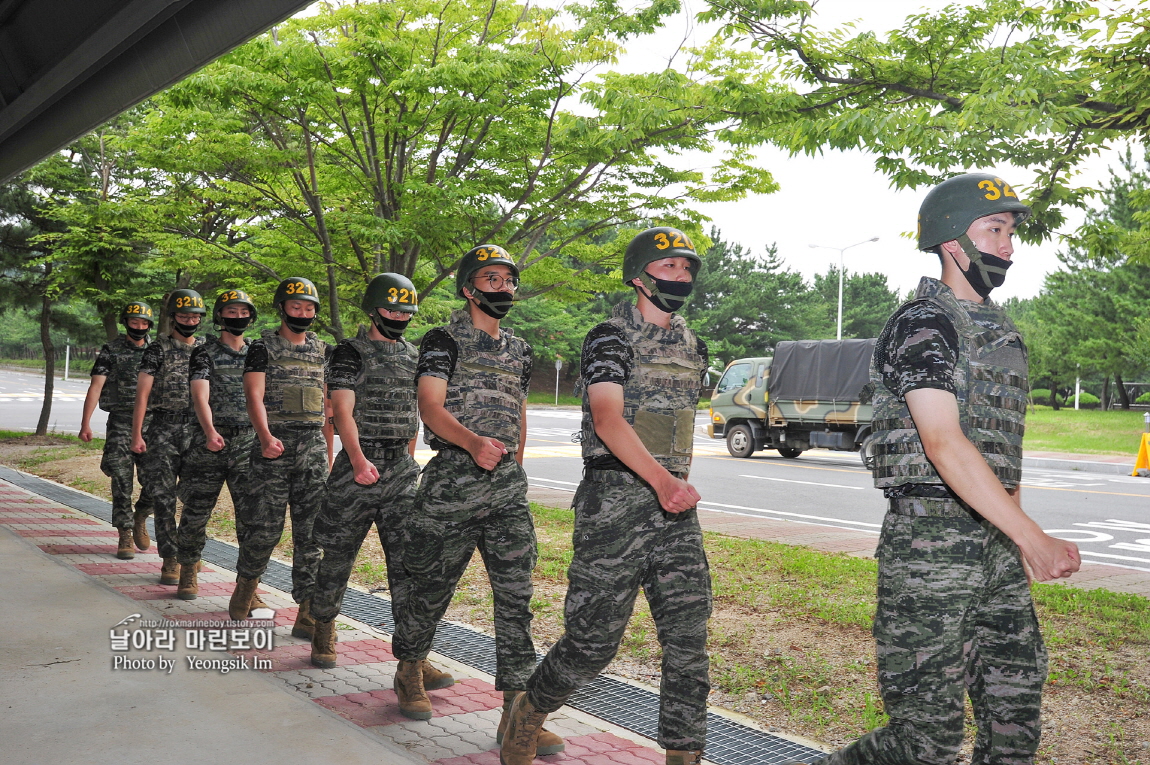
866	452
740	441
790	453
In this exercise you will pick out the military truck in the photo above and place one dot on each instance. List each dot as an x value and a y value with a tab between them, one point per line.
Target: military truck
804	397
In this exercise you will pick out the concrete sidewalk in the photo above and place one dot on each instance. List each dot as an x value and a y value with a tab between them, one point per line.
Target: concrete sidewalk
66	704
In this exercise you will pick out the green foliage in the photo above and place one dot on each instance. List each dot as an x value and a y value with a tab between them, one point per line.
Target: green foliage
867	302
1144	398
1085	399
1085	431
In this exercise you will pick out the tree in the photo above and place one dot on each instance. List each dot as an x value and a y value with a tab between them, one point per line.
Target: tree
742	304
394	136
867	302
1042	86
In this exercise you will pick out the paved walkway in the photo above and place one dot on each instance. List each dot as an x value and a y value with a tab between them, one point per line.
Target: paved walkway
77	703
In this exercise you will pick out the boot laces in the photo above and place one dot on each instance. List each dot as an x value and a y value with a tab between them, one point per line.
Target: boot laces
529	728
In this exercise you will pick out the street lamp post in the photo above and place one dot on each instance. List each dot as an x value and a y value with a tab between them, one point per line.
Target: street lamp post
841	250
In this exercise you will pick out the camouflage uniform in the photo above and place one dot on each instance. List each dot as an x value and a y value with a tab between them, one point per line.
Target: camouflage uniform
119	362
624	540
169	437
954	607
385	415
293	398
206	471
460	506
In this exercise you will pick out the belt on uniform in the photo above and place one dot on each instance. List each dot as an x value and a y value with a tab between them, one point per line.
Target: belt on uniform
297	426
165	415
932	507
455	453
383	452
232	431
618	477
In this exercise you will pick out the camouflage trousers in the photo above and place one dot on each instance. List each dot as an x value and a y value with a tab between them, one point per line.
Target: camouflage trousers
624	541
120	464
201	480
348	512
169	440
954	615
461	507
297	479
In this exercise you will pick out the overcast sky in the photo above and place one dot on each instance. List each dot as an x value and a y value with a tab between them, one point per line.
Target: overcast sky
839	199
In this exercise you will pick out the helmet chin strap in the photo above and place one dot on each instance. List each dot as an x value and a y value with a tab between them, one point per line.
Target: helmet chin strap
976	261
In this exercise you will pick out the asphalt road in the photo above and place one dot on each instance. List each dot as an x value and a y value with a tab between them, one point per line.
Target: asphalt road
1108	516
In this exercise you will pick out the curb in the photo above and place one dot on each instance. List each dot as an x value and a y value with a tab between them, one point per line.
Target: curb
1085	466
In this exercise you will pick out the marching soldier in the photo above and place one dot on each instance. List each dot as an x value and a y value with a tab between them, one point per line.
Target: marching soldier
221	448
284	390
371	382
635	520
473	378
114	387
163	385
954	610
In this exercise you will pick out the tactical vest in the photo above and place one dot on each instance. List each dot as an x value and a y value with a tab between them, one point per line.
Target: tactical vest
385	389
661	392
226	388
170	389
119	391
990	381
293	387
485	392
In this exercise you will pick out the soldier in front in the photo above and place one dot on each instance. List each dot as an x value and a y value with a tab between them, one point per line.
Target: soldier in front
957	551
635	521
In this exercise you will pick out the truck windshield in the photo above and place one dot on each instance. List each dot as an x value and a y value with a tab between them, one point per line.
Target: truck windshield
735	377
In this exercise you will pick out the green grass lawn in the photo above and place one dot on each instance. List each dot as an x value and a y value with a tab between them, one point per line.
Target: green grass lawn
76	368
1087	431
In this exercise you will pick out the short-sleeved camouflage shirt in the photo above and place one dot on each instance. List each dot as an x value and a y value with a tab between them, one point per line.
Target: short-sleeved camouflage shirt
921	350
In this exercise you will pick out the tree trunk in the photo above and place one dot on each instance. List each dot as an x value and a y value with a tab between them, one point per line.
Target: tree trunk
49	363
111	323
1123	396
1054	395
1104	404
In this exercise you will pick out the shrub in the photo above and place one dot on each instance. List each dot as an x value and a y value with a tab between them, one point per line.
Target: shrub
1144	398
1088	401
1041	396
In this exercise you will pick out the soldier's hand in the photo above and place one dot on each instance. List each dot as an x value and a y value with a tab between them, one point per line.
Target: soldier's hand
1050	558
676	495
272	449
86	434
215	442
365	473
138	445
487	452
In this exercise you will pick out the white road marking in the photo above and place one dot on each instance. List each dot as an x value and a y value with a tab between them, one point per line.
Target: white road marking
809	483
794	515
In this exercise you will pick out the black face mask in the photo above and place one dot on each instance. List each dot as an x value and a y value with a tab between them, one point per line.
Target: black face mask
667	296
298	323
392	329
137	334
236	325
986	271
494	304
187	330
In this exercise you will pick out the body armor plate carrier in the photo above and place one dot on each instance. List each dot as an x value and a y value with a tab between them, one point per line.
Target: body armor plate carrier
170	390
661	392
119	391
991	386
226	391
385	389
293	385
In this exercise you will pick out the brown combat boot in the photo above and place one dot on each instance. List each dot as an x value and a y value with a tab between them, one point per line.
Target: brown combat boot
257	602
304	626
434	679
684	757
408	685
189	587
140	531
323	645
549	743
521	739
240	605
170	571
124	549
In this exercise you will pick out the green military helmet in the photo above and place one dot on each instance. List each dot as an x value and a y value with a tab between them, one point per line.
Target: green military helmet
137	309
655	244
478	257
951	206
232	297
295	288
394	292
186	301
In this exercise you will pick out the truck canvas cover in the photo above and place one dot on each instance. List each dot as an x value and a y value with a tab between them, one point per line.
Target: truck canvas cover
822	370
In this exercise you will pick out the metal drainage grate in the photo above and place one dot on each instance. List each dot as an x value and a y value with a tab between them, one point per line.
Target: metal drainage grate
630	707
